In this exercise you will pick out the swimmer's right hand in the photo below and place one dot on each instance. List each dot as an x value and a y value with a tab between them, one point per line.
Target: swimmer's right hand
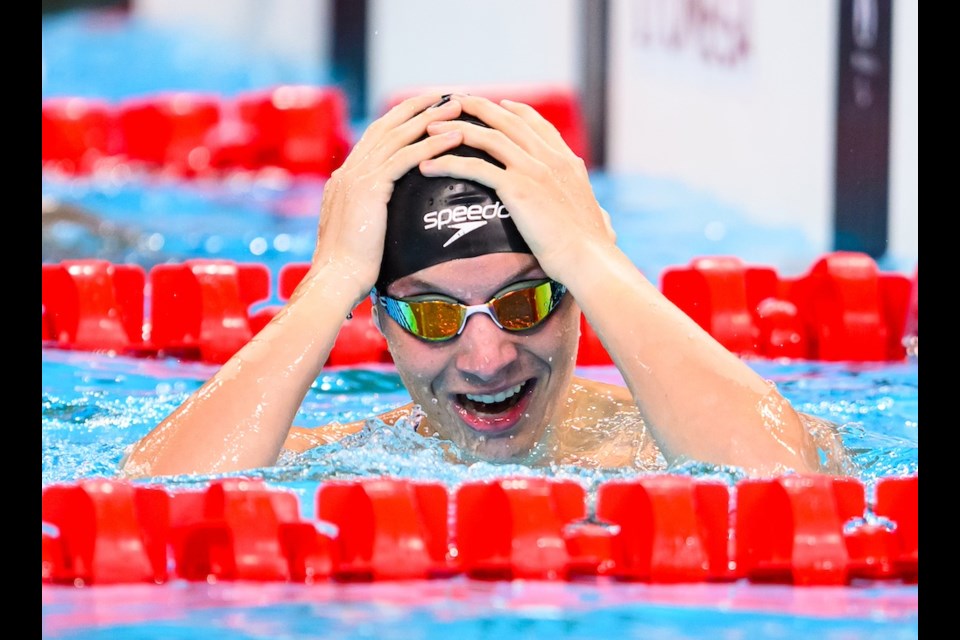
353	215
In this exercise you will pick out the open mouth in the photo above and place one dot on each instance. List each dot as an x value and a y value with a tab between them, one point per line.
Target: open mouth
495	413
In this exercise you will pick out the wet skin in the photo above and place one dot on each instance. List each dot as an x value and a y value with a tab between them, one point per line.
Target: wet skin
457	382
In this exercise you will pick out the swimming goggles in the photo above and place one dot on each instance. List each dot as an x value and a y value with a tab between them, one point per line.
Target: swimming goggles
522	306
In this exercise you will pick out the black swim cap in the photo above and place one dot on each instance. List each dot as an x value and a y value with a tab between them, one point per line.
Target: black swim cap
433	220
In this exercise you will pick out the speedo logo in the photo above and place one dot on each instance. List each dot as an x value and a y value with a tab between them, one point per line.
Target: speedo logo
463	218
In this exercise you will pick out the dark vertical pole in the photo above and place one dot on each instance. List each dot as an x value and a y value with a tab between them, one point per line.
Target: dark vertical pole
862	161
594	77
349	53
57	6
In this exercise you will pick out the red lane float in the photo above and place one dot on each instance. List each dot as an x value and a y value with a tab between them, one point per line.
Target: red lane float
167	131
794	529
514	527
202	307
842	309
898	500
93	305
107	532
782	332
301	129
719	293
790	529
672	528
76	133
388	529
851	311
239	529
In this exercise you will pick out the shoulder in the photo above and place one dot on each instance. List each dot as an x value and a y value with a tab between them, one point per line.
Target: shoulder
610	397
301	439
604	429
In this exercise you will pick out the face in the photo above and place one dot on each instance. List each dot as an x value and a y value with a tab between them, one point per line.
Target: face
492	392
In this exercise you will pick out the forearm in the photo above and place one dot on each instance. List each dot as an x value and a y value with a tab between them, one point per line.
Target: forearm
699	400
240	418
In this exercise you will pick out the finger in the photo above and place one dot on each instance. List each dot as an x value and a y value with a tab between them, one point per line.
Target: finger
412	155
415	128
544	128
401	125
465	168
493	141
518	128
403	111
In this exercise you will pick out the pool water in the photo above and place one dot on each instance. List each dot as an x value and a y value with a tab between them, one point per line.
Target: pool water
94	406
470	610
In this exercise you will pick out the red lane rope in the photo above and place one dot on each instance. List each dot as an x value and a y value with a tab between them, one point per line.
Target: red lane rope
842	309
802	530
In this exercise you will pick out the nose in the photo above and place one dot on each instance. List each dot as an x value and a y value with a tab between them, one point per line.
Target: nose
484	348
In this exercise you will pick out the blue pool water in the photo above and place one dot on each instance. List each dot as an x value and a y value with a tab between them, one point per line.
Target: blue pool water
480	610
94	406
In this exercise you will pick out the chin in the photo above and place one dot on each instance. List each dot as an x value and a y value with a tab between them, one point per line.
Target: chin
504	449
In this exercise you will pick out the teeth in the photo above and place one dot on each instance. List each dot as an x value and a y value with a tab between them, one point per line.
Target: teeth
500	397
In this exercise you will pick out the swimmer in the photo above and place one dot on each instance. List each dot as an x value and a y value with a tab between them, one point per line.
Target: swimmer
475	230
70	232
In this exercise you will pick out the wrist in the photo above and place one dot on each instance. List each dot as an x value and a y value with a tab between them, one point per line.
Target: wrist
592	267
336	286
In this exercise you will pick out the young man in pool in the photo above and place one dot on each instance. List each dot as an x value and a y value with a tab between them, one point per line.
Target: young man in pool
481	262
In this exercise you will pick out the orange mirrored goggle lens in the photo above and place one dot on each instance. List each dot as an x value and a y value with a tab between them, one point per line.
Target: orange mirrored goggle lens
437	320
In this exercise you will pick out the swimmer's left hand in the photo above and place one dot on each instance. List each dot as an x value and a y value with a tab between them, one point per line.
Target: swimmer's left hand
544	185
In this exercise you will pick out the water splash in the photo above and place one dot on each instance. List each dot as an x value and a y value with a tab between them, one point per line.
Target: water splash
94	407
